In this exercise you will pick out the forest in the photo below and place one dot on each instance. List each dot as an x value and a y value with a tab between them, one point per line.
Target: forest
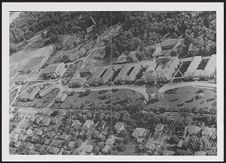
141	29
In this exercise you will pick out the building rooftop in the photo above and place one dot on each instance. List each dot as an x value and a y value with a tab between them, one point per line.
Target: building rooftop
168	43
52	68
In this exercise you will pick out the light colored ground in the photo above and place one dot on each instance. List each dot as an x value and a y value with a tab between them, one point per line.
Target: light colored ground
183	94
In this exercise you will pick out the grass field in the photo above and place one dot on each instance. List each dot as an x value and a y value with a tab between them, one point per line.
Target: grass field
98	99
185	98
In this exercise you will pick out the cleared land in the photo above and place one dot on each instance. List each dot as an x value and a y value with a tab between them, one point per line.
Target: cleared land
185	97
96	99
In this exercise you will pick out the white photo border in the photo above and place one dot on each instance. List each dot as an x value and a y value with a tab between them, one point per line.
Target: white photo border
41	6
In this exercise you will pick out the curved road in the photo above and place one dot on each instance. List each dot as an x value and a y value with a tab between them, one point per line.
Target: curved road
184	84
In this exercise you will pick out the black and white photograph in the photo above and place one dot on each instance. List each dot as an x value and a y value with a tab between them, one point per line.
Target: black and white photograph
113	82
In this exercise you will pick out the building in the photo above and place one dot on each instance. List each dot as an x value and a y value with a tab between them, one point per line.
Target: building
20	80
61	97
46	121
168	44
150	67
133	72
150	146
54	70
193	66
29	132
159	127
86	71
39	132
53	150
29	146
17	144
191	130
77	54
76	123
30	94
106	149
121	59
209	132
119	126
88	123
86	148
140	134
165	69
47	90
97	77
71	144
158	50
200	153
108	75
76	82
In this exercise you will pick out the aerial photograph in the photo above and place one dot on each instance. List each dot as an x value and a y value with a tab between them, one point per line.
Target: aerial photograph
112	83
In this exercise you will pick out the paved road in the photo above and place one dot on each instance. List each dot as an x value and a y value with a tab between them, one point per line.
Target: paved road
184	84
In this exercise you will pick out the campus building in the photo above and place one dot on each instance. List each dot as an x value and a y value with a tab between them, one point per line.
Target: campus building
164	70
54	70
206	68
193	66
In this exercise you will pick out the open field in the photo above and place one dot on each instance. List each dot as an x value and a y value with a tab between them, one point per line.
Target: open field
94	99
186	97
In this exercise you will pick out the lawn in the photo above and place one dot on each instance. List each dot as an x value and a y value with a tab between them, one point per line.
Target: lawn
99	99
185	98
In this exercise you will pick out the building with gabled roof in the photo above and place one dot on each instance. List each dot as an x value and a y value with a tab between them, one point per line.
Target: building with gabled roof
139	134
193	66
30	94
54	70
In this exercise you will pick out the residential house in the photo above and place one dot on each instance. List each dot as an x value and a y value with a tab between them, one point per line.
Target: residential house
119	126
53	150
88	123
191	129
29	132
140	134
86	148
209	132
29	146
17	144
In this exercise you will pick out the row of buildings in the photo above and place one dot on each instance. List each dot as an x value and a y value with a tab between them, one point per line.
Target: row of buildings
159	70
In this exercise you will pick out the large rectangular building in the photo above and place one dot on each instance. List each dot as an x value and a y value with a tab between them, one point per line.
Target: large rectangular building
193	66
54	70
108	75
165	70
208	69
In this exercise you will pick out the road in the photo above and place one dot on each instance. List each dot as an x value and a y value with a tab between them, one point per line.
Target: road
184	84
